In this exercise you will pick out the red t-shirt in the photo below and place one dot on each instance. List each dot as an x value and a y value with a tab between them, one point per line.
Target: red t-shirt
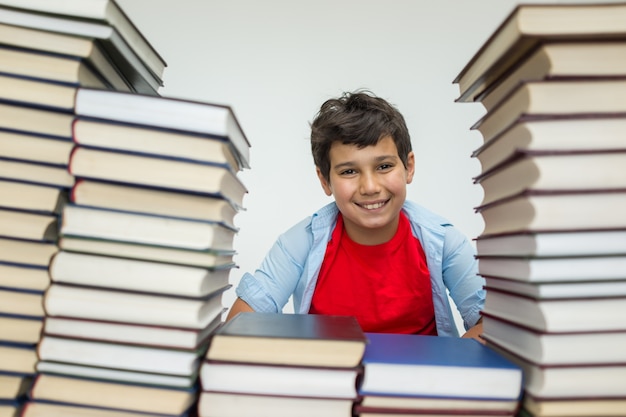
386	287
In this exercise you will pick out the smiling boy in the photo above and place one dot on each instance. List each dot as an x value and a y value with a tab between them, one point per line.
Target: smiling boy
371	253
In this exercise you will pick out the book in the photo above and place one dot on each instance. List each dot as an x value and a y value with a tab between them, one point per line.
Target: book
46	66
28	277
289	339
38	93
543	212
362	411
559	289
171	113
415	365
116	375
569	381
36	173
527	26
16	301
567	243
78	47
28	225
26	253
106	12
558	315
554	98
130	333
20	329
401	404
554	269
47	409
559	60
135	275
108	305
284	381
146	200
18	358
52	123
554	407
116	396
157	172
567	348
39	148
118	356
125	58
571	134
201	258
145	229
32	197
155	141
14	386
539	171
221	404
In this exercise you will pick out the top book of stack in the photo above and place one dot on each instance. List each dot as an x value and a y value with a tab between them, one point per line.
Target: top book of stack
529	26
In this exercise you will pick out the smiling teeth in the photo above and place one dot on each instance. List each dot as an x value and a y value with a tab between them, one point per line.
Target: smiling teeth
373	206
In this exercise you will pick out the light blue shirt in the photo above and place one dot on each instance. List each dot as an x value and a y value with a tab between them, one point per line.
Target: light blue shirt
293	263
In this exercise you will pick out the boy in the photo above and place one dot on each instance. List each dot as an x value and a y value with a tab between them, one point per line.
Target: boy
370	254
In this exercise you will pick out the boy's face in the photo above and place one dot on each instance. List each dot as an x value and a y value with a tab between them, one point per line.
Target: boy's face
369	187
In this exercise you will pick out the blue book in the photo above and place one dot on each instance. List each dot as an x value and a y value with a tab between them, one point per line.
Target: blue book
432	366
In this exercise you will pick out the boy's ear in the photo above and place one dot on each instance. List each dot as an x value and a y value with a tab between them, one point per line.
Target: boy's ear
323	182
410	167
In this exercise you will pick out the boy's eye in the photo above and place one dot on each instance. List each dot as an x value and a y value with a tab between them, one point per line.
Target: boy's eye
347	172
385	166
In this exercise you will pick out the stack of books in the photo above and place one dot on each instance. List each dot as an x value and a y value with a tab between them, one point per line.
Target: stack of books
282	365
552	79
417	375
116	233
146	247
47	51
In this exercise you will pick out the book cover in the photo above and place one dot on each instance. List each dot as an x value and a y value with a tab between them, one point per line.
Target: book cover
129	307
534	211
568	381
172	113
437	366
119	396
558	314
295	339
566	348
564	97
284	381
86	48
130	250
570	133
526	26
564	243
125	58
139	228
135	275
554	269
155	172
147	200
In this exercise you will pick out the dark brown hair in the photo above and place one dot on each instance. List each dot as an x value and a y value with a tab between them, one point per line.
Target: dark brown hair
359	118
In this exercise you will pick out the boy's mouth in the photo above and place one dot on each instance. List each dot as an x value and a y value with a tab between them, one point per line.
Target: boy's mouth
373	206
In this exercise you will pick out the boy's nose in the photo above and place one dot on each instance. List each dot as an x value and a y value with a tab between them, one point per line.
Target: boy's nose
368	184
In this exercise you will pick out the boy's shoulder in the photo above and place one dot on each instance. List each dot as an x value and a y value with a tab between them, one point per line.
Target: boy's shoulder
424	216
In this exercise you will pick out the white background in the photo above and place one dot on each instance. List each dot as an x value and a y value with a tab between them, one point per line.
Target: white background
276	61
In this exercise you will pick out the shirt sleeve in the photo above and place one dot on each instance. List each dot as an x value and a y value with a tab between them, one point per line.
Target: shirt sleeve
460	275
276	279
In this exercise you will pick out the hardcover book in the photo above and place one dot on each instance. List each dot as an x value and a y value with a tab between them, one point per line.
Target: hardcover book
289	339
431	366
